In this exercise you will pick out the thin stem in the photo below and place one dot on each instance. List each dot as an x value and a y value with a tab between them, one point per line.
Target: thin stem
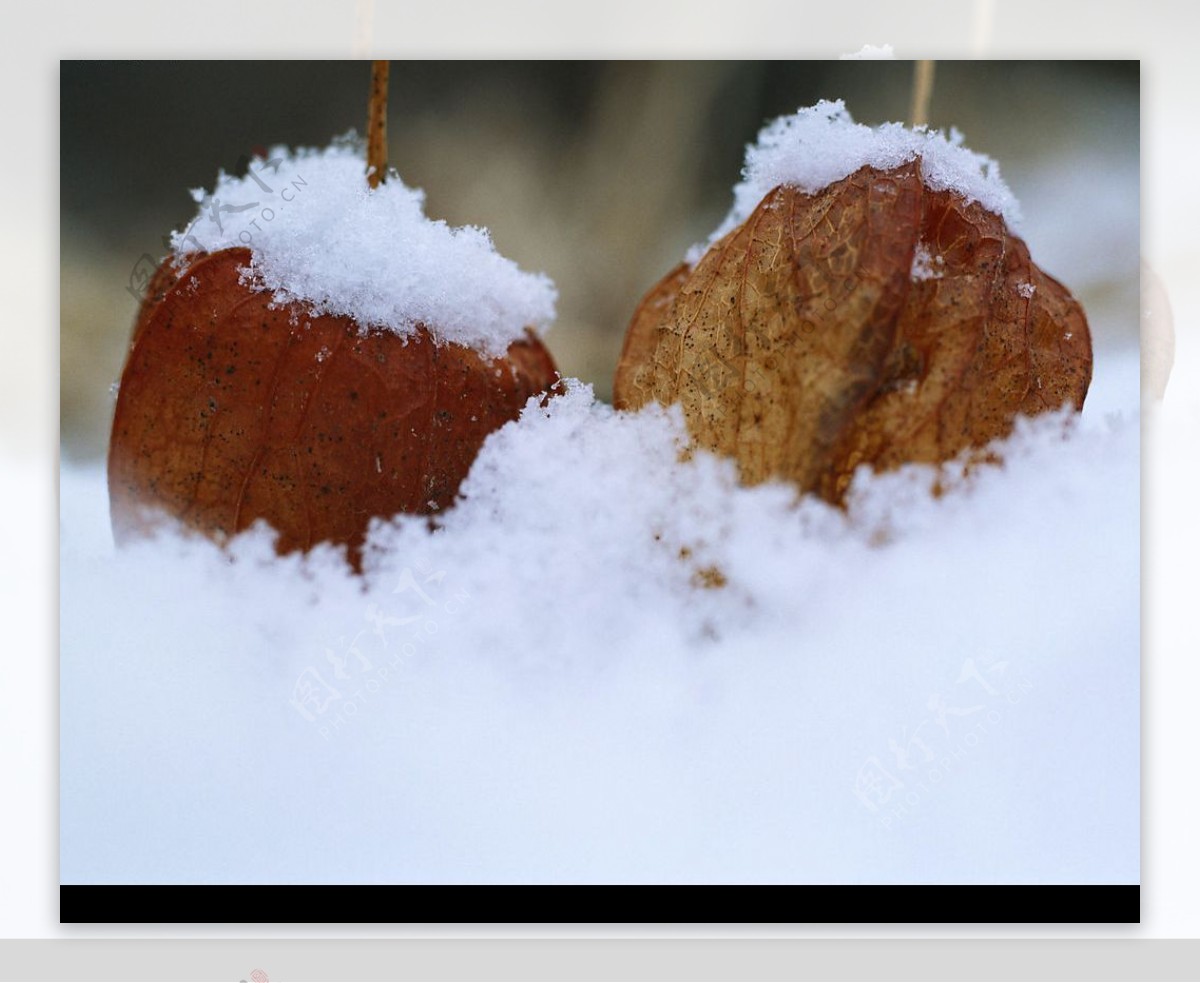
918	114
377	124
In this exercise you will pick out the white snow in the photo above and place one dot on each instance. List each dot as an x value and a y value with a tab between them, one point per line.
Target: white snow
543	689
319	236
821	144
925	265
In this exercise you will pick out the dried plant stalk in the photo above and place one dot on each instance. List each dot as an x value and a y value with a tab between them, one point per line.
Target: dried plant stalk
922	92
377	152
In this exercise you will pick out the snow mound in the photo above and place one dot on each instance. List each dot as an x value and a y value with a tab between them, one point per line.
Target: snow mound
821	144
609	662
319	236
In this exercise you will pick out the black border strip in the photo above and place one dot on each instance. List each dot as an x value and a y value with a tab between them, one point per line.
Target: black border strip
573	904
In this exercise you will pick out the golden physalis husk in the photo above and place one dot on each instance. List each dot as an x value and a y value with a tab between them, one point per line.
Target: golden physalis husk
875	322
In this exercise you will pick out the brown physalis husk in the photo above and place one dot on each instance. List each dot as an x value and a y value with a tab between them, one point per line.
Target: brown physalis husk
233	408
875	322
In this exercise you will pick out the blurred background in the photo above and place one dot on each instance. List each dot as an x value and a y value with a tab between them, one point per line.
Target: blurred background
600	174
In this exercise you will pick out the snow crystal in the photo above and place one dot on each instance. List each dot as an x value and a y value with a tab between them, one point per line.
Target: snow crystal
320	237
821	144
926	266
1026	290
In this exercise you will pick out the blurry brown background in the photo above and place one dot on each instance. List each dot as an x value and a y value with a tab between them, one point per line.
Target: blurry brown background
600	174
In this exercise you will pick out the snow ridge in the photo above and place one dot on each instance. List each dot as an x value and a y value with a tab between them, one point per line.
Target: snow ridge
821	144
320	237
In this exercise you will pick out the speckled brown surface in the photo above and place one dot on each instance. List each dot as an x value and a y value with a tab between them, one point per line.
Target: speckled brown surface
231	410
803	345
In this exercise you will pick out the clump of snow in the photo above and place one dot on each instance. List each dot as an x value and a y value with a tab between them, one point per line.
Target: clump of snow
320	237
925	265
609	663
821	144
870	52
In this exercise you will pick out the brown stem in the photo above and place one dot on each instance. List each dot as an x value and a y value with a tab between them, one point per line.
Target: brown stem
377	124
918	114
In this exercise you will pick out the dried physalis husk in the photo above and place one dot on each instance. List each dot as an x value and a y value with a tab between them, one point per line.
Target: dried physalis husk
875	322
233	408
